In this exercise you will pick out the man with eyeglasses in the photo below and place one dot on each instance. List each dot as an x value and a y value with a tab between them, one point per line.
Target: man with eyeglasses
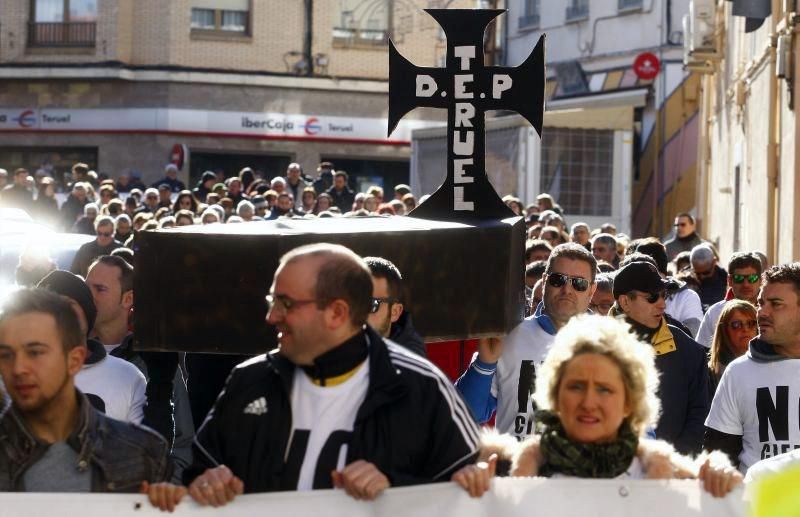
685	236
713	279
387	314
754	412
640	294
104	244
502	374
744	280
334	405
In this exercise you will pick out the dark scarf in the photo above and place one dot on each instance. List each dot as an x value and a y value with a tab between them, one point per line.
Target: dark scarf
584	460
688	238
339	360
762	352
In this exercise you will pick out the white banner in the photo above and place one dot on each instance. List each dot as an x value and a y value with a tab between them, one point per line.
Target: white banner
508	498
221	123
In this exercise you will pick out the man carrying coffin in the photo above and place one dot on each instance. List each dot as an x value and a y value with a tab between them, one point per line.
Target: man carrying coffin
334	406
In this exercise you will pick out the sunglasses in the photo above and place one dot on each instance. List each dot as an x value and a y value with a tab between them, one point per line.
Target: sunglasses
559	280
751	279
104	234
376	303
739	324
653	297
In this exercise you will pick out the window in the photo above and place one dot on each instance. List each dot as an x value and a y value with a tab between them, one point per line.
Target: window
530	17
223	17
578	10
628	5
62	23
362	23
577	169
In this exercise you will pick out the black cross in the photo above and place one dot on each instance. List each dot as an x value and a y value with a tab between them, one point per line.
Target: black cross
467	89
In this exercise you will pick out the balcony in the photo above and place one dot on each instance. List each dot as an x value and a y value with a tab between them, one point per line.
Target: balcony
369	38
61	34
528	21
629	5
576	13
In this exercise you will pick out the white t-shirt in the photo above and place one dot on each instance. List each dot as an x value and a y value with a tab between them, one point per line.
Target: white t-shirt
759	401
706	333
524	350
685	307
323	418
118	384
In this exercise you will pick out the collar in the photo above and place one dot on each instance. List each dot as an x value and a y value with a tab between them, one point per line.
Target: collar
97	352
340	363
692	236
544	320
762	352
662	341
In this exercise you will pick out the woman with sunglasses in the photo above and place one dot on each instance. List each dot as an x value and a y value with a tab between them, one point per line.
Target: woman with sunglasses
737	325
185	201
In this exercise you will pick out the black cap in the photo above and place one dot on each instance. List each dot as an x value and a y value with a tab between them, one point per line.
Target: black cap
73	287
639	276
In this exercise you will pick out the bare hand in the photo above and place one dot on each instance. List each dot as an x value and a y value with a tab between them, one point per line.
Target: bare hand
476	479
164	496
216	487
361	480
490	349
718	481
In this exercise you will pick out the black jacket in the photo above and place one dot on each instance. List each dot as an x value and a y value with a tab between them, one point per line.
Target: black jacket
342	198
403	333
121	455
412	425
712	290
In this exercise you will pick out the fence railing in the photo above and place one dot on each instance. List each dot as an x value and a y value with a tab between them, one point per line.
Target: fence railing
61	34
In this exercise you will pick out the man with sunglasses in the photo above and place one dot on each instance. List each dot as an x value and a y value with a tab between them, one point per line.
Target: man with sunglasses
713	279
640	294
744	280
104	244
685	236
387	314
754	412
502	374
334	405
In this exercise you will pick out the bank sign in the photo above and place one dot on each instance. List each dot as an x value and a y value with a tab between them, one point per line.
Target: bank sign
210	123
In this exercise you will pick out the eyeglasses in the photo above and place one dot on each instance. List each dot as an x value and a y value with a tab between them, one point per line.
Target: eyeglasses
104	234
560	279
283	304
681	225
652	297
376	303
600	308
751	279
739	324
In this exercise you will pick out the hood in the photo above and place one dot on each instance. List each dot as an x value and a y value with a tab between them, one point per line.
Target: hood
762	352
97	352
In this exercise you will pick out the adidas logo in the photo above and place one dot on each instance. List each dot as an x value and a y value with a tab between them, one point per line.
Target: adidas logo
257	407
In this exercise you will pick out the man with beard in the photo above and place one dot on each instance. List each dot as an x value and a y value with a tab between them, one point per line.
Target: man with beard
502	374
388	315
754	412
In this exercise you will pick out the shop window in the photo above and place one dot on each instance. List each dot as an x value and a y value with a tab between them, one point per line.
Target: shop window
362	23
578	169
62	23
220	17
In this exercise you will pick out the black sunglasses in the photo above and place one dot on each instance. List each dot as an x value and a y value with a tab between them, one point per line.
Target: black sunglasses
560	279
751	279
738	324
653	297
376	303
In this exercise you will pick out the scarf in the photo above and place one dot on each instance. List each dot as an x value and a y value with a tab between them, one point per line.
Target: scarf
584	460
338	364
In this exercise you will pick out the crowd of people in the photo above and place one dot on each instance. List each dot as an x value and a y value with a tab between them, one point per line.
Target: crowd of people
636	359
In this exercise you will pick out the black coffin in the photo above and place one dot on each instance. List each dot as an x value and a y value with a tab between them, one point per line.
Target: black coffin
202	288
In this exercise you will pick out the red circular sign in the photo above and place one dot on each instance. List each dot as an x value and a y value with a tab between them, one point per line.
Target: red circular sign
646	66
177	155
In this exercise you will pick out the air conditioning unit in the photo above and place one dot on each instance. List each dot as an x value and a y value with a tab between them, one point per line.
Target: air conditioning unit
702	30
692	62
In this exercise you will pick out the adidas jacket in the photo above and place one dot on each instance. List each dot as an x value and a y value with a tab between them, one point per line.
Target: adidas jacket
412	425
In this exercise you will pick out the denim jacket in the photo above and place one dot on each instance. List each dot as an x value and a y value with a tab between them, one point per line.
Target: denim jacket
120	455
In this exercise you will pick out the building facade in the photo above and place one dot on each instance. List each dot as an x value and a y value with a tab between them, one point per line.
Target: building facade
596	99
749	183
120	84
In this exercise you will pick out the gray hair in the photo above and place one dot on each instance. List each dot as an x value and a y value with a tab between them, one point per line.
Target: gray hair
277	180
210	212
702	254
90	206
245	207
605	238
105	220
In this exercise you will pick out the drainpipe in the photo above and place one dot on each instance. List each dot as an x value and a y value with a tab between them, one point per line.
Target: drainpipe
773	143
308	37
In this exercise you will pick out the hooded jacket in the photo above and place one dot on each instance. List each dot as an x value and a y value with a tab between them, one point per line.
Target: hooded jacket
403	333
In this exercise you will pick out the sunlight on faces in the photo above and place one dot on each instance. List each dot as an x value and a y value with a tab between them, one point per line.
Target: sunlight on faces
739	338
382	320
592	402
564	302
601	302
683	226
778	314
637	308
744	290
105	234
33	364
104	283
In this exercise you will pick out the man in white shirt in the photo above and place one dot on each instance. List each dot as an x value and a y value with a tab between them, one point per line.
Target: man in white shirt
754	412
744	278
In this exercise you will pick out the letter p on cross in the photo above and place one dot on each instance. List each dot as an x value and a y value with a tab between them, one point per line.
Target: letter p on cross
500	83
